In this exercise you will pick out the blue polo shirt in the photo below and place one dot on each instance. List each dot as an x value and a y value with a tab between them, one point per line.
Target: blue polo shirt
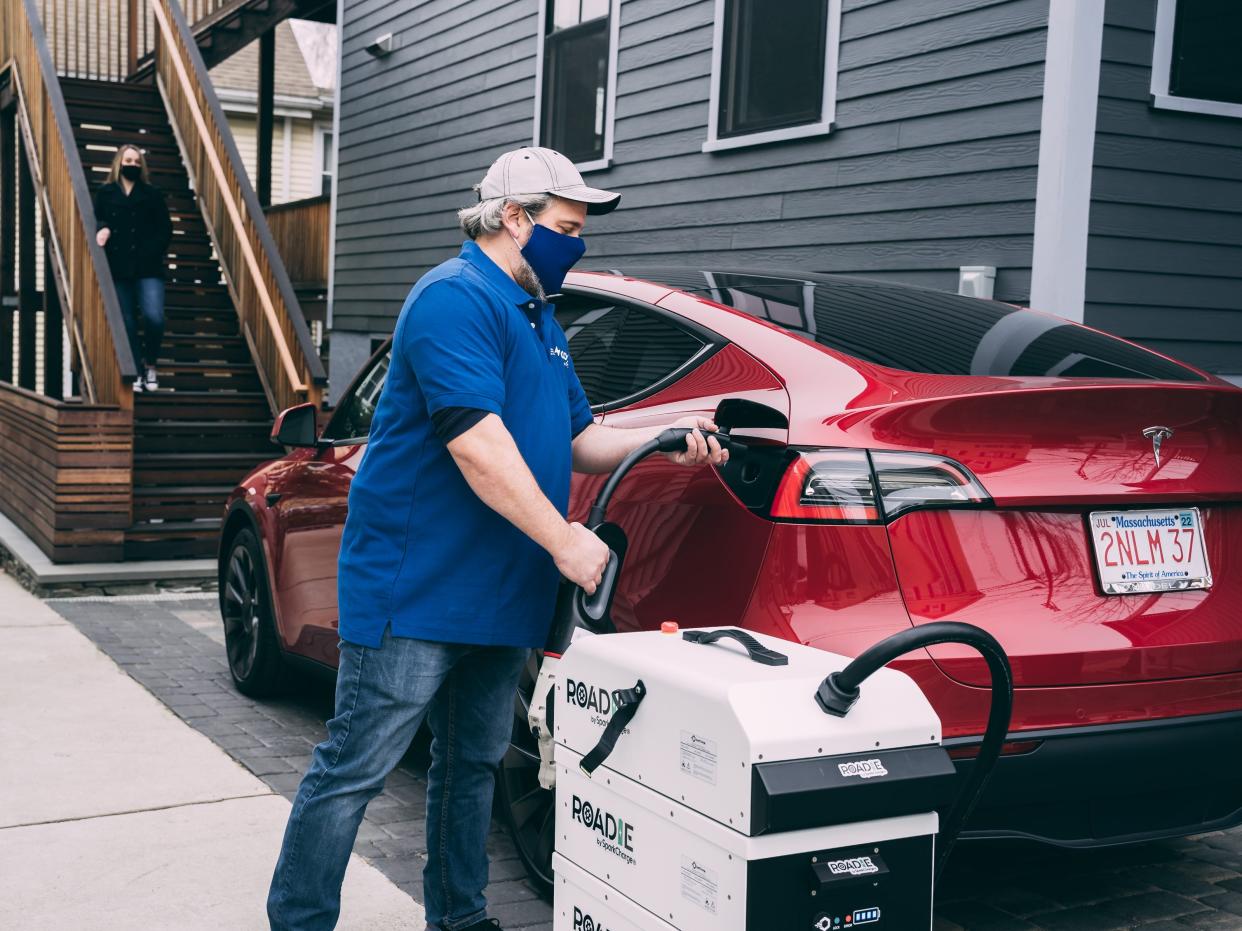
421	552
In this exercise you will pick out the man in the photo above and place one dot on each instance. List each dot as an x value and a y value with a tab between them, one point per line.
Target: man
456	539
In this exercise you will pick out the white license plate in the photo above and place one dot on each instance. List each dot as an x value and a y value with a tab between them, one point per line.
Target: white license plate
1149	551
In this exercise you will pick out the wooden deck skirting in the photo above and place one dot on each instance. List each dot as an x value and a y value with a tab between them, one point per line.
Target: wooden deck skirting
300	231
66	474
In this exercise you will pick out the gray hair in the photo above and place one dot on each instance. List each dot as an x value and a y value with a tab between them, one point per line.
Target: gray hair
485	216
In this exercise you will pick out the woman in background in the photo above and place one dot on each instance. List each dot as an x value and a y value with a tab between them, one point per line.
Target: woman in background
135	230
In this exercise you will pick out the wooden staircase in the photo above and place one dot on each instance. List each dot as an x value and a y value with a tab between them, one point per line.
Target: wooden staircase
208	423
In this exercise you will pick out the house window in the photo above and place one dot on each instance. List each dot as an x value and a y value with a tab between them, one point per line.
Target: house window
577	79
325	162
1194	65
773	77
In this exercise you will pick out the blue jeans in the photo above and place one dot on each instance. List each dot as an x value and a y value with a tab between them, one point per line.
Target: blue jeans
142	297
382	695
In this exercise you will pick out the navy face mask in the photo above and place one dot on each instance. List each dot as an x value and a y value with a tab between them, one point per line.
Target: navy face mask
551	255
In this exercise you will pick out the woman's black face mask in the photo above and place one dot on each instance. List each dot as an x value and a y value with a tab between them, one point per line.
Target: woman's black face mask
131	172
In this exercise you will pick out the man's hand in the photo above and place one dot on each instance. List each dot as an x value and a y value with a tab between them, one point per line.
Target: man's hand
102	236
701	446
581	557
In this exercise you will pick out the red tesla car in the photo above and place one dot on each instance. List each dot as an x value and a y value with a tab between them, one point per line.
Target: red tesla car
945	458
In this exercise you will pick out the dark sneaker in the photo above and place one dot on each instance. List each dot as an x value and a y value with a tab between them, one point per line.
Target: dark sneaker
487	924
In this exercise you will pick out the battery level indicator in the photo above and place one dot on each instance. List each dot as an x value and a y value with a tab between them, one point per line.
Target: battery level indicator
863	916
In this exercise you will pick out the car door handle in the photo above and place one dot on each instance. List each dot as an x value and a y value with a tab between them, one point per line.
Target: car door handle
272	497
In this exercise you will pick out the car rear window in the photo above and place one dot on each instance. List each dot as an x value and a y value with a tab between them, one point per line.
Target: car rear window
921	330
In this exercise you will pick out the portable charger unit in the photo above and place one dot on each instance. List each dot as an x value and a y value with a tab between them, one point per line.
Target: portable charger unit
734	797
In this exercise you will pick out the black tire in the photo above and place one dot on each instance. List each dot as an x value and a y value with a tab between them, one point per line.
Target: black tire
527	809
254	657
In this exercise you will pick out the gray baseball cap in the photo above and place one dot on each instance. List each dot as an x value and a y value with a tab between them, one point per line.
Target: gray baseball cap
535	170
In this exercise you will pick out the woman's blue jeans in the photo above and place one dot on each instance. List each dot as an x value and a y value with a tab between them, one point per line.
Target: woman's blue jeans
382	695
142	297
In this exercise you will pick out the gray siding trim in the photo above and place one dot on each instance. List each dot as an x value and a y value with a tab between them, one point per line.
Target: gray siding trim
1164	250
932	163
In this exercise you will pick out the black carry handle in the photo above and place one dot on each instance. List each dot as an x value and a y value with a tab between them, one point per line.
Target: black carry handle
754	649
628	701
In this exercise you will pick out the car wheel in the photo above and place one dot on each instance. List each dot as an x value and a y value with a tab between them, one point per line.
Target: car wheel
527	808
249	630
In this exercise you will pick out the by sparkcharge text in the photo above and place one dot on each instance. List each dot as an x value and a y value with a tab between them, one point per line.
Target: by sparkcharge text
614	834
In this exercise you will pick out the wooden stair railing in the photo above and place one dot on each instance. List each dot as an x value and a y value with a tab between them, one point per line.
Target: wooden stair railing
271	319
87	292
106	40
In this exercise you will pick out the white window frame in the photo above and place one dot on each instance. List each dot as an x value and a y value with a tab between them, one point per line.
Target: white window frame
1162	65
610	95
821	127
320	167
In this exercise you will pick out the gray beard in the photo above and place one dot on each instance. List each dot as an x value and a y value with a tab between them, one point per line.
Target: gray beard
526	278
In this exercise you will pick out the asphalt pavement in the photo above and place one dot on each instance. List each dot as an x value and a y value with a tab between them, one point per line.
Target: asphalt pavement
139	789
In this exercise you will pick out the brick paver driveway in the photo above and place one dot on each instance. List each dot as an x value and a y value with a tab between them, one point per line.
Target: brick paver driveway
174	647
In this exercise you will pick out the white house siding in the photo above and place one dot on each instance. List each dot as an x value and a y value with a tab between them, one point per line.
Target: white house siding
303	179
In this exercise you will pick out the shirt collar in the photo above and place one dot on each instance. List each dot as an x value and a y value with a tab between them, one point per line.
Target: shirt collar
508	288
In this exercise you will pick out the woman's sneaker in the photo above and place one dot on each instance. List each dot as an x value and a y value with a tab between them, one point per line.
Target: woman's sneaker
152	381
138	383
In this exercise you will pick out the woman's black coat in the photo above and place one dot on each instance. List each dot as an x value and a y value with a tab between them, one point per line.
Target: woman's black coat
140	229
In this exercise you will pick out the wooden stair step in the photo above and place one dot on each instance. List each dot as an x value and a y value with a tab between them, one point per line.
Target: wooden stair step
206	326
187	509
173	355
197	381
150	141
200	401
172	539
177	492
129	114
179	502
171	469
243	438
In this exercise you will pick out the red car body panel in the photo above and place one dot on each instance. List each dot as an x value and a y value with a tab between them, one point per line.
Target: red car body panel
1047	451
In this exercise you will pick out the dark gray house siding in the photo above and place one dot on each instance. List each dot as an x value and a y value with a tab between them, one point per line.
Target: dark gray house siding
1164	252
932	163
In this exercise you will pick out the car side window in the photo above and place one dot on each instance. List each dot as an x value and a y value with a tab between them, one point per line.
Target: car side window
352	420
620	350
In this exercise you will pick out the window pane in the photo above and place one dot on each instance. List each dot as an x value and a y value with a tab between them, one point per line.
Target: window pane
619	351
593	9
575	78
326	185
566	13
353	418
771	67
1207	41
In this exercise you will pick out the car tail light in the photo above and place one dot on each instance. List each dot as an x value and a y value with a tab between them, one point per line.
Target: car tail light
829	484
921	480
857	486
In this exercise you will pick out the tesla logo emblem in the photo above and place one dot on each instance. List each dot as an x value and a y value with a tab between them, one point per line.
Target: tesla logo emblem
1157	435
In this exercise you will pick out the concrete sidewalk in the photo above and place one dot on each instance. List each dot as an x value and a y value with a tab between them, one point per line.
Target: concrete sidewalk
116	815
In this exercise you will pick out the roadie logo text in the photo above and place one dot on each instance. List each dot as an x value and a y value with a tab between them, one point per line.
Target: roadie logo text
854	866
584	922
615	835
865	769
590	697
